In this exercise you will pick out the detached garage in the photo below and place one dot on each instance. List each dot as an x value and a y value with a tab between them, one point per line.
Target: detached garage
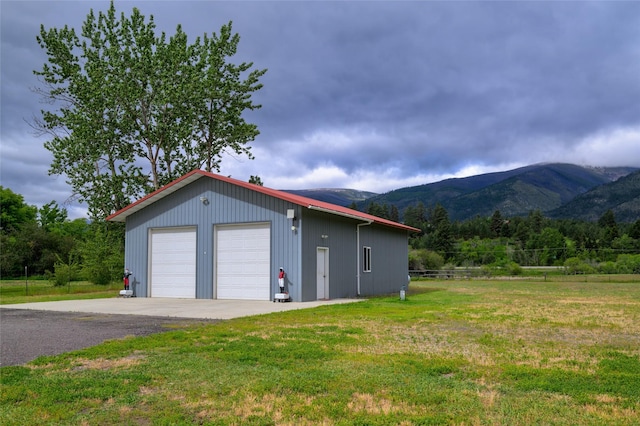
208	236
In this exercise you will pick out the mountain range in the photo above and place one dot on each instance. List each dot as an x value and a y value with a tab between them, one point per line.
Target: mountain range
565	191
339	196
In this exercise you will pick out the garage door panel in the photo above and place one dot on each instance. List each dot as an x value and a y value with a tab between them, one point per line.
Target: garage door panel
173	259
243	255
173	263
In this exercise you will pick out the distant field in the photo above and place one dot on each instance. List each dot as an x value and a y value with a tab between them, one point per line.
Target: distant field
15	291
555	273
456	352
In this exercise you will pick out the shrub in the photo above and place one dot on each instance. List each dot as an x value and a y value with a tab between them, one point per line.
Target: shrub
487	270
608	268
628	263
414	260
575	265
422	259
64	272
432	260
514	269
103	257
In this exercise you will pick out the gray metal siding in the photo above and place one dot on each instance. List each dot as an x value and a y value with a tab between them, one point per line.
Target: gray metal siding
227	204
389	260
341	241
389	256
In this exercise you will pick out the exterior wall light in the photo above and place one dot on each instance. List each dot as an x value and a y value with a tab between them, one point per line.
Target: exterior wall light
291	214
204	200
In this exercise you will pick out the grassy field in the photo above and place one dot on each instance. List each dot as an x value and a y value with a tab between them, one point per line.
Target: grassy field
491	352
43	291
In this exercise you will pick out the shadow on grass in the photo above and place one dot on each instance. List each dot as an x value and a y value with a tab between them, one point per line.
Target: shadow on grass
412	291
415	290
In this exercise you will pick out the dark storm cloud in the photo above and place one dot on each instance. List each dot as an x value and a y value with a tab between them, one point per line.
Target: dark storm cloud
380	95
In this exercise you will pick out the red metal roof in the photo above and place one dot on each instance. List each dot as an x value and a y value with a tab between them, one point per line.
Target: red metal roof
309	203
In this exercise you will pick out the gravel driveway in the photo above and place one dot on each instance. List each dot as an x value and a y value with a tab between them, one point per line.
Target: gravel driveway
28	334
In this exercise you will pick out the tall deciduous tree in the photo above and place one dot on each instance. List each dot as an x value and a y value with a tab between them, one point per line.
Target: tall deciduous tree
14	212
132	110
52	217
255	179
222	94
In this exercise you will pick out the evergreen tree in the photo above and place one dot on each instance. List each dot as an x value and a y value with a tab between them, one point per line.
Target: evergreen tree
496	224
394	214
634	232
609	226
442	238
376	209
536	221
416	216
506	229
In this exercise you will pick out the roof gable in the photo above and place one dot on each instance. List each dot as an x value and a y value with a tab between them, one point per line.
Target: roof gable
170	188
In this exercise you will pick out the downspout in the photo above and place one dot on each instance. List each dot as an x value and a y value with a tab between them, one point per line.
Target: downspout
358	268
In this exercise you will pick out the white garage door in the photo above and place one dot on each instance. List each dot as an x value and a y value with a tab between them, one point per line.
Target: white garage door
173	263
243	258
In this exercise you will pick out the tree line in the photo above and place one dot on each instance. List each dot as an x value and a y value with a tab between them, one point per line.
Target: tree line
532	240
48	244
44	242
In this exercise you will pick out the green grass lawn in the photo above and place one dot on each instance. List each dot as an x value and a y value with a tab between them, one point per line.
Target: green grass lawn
490	352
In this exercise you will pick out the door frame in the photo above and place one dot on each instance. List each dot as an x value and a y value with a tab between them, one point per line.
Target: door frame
324	291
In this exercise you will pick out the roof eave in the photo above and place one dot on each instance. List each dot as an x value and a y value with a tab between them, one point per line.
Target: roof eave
121	215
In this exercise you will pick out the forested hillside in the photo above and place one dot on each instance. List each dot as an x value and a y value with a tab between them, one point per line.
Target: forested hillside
502	224
341	197
544	187
622	197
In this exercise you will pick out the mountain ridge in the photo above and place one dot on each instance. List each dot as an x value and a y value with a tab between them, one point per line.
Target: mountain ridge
547	187
622	196
340	196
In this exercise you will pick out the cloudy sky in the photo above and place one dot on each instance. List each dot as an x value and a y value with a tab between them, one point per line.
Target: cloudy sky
378	95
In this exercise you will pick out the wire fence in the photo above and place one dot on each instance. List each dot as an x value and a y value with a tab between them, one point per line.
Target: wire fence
550	273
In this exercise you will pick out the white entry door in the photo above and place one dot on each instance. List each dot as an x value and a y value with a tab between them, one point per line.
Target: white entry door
322	272
172	263
243	261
